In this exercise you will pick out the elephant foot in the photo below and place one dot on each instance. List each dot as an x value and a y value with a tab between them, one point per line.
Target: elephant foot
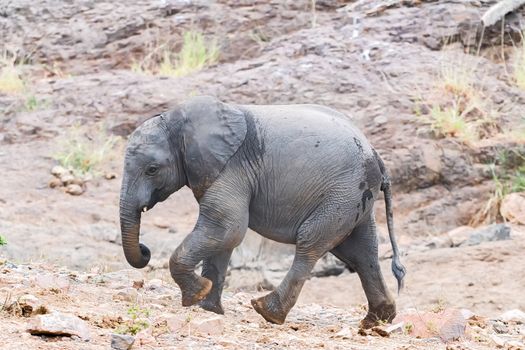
270	308
384	312
200	288
212	305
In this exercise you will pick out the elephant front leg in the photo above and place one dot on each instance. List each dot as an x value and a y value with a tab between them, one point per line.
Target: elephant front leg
212	240
214	269
182	264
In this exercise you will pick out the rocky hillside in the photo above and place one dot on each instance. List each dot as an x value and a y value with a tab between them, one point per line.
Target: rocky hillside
440	97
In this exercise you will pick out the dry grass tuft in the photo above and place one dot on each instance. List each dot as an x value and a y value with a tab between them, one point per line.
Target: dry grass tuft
519	66
196	53
10	77
83	154
457	108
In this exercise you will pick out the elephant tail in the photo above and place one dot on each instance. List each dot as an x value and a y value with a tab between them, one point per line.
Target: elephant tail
397	268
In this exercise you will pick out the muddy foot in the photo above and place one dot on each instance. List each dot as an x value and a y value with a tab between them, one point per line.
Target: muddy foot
385	312
211	305
201	290
270	308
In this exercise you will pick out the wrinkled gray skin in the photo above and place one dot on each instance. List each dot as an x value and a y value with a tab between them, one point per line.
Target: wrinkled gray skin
297	174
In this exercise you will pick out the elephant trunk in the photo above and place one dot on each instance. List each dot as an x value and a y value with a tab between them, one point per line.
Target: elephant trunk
137	254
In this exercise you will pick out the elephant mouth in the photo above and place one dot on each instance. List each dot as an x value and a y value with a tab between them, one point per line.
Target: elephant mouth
155	198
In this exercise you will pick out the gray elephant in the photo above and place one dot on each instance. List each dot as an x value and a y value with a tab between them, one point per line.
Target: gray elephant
296	174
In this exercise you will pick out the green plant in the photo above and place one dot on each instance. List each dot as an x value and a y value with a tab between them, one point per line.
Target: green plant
32	103
84	155
137	321
3	241
408	327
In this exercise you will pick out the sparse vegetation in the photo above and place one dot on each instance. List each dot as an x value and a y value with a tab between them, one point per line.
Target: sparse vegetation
519	67
82	154
194	55
431	326
137	322
3	241
314	14
10	77
439	306
32	103
450	121
408	327
510	178
457	108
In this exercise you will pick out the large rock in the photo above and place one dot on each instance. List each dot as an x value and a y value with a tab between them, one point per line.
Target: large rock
121	341
212	326
513	208
59	324
515	315
448	325
496	232
460	235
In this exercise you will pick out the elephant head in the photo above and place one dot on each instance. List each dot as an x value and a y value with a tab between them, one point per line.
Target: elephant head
189	145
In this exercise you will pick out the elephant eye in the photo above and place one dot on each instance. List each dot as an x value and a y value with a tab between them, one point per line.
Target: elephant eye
152	170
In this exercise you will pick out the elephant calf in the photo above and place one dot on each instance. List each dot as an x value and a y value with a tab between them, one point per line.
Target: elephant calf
296	174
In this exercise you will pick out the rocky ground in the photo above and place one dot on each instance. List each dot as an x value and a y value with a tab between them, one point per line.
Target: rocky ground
47	307
388	65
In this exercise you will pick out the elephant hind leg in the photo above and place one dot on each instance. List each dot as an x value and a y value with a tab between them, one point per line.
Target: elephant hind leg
315	237
359	251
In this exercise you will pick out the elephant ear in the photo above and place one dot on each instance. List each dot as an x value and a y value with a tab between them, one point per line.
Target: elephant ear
212	133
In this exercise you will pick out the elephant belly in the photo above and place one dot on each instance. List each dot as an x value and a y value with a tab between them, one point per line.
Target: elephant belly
274	227
278	213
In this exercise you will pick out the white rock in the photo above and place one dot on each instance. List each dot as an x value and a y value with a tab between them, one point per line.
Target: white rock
515	315
154	284
513	208
58	323
459	235
212	326
129	294
467	314
58	171
67	179
74	190
395	328
121	341
514	344
497	340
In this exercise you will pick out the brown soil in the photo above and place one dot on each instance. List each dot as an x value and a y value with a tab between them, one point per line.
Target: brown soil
379	65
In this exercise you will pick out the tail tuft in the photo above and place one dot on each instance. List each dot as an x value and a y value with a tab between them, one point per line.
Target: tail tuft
399	272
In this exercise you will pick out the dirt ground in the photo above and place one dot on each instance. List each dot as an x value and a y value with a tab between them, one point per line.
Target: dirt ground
381	65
